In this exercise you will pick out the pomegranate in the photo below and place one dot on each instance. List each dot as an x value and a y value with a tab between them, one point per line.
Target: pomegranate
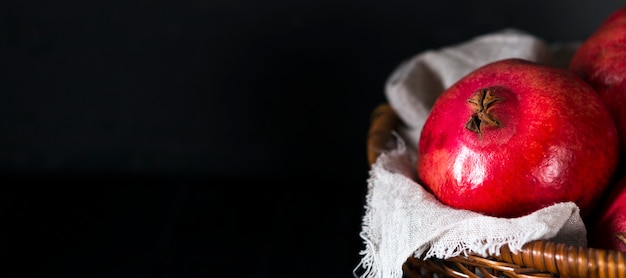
608	230
515	136
601	61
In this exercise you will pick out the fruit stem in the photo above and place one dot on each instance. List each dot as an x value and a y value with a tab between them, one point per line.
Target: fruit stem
481	103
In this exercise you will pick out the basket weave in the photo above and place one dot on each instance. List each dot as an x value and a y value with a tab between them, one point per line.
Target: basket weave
541	258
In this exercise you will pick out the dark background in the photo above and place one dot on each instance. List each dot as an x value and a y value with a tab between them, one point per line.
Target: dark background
210	138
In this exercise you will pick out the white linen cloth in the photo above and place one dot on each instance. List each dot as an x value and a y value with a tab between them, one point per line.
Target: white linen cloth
401	218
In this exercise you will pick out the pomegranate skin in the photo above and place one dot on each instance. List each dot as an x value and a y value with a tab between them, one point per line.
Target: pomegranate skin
552	141
601	61
609	228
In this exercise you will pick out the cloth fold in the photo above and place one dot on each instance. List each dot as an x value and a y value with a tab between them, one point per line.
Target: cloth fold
401	218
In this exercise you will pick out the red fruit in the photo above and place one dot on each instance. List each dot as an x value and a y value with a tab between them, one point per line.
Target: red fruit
601	61
514	136
609	230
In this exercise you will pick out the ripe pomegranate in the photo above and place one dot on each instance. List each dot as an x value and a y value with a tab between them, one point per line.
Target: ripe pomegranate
608	230
514	136
601	61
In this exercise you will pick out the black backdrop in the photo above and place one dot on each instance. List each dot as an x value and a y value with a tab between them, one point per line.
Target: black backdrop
196	138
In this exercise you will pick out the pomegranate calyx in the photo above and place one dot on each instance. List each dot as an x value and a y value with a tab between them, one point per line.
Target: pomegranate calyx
481	103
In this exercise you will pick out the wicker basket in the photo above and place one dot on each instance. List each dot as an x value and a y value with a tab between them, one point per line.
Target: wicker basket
540	258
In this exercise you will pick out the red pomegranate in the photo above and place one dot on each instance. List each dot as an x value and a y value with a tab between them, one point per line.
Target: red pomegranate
514	136
608	230
601	61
